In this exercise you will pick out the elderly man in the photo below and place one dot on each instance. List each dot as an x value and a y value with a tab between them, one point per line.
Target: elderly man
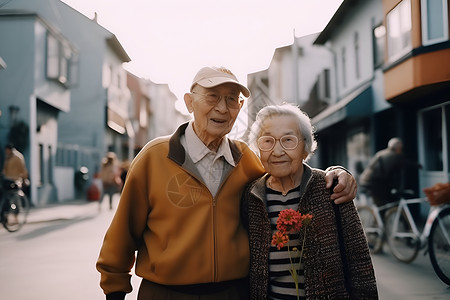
385	172
179	208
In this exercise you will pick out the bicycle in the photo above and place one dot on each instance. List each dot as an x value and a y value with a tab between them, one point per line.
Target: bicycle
405	240
372	221
14	205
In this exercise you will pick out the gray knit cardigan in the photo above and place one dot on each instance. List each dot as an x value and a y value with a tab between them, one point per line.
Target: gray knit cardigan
324	272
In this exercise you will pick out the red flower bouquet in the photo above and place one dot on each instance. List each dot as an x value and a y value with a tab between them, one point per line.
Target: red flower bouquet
289	222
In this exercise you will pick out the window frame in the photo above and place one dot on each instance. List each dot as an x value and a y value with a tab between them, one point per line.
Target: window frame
61	61
378	39
399	12
344	66
357	49
424	19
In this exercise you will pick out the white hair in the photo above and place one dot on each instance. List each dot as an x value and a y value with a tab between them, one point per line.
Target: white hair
285	109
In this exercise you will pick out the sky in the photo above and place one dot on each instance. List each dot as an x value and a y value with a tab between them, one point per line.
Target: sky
168	41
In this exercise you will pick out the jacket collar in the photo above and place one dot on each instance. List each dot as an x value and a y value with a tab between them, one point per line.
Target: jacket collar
259	187
177	152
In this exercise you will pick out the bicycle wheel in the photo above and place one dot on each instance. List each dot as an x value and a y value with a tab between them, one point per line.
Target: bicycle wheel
402	241
439	245
372	228
15	211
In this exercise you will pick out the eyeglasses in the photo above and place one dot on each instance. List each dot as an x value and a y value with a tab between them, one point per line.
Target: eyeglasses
267	143
213	99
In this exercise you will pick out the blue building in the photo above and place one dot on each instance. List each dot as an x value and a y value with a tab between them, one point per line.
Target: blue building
65	82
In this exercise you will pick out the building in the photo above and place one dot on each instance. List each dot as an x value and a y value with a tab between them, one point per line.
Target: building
164	119
35	91
75	65
388	76
417	81
291	76
357	119
139	112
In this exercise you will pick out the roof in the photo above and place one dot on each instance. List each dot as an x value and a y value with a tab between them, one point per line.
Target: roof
115	45
335	21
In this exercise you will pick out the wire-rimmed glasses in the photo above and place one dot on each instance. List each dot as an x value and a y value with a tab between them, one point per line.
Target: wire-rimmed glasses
232	101
267	142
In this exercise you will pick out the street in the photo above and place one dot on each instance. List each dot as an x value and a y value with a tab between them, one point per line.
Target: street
413	281
53	257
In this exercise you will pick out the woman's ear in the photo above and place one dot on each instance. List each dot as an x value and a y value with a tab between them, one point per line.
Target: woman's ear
305	155
188	102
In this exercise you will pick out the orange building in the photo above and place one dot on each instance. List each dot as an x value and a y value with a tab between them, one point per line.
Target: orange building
417	79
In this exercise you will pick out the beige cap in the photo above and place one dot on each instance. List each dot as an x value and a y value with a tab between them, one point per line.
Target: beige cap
209	77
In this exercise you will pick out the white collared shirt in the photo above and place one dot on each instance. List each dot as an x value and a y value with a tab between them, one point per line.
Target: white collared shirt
210	164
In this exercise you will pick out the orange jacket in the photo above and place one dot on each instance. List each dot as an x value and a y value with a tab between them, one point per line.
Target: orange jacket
182	234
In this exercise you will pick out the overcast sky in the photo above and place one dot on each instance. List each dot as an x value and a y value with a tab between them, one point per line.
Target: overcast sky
169	40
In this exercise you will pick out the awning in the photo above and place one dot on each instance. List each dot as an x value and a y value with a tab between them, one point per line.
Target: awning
115	121
356	104
2	64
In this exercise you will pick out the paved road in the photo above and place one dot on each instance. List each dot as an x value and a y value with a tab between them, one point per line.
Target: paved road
413	281
54	255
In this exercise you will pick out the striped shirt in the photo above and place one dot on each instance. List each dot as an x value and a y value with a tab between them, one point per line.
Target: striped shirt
281	283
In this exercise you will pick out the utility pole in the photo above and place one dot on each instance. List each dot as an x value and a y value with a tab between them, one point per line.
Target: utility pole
295	69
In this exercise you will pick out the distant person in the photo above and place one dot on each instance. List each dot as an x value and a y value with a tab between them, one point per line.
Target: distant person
385	172
14	167
178	219
123	171
110	176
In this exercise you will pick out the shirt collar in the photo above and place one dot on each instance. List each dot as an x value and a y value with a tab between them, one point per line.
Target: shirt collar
197	149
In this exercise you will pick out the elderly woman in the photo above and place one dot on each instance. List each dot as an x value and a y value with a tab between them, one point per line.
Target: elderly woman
283	137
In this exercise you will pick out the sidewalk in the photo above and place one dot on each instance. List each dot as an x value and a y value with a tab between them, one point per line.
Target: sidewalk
66	210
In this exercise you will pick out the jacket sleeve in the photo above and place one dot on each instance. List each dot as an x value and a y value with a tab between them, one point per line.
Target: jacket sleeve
360	267
116	296
124	235
331	168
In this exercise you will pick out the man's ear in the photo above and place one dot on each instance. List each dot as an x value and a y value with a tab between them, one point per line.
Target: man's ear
188	102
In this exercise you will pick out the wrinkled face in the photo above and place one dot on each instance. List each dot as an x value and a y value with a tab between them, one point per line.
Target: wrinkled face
213	121
280	162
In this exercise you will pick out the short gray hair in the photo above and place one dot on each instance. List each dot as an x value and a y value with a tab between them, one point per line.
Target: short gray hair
285	109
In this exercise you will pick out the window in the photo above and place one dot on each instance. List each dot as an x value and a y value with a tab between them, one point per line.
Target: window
356	45
61	61
107	76
326	80
143	117
50	165
446	133
41	165
434	21
399	30
432	122
322	87
52	57
344	65
378	35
